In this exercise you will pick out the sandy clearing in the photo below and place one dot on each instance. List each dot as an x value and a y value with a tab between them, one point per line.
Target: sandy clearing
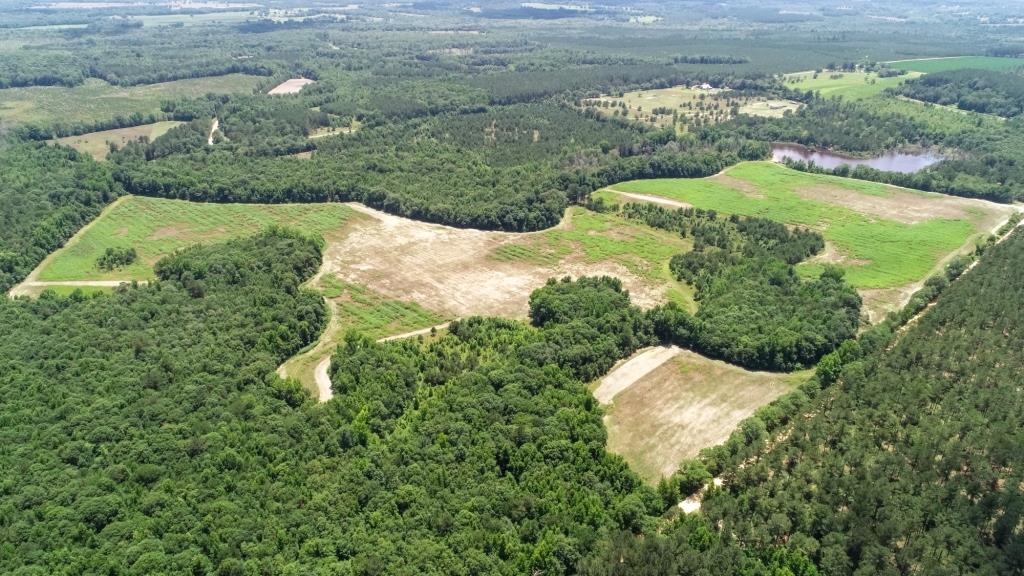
323	380
629	372
684	405
652	199
213	128
900	205
832	255
291	86
452	270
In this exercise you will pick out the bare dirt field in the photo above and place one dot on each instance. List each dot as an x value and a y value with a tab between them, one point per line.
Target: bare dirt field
452	271
631	370
687	403
905	206
292	86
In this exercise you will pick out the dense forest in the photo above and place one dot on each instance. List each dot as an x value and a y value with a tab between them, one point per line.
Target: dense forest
46	194
754	309
508	168
984	91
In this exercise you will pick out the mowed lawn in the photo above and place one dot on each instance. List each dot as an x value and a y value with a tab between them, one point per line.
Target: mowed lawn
688	403
97	144
877	250
849	85
155	227
96	100
958	63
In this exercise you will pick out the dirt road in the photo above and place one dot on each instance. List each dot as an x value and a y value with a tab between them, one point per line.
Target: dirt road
626	374
652	199
213	128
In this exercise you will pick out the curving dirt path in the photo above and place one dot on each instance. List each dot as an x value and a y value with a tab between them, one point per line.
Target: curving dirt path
323	379
651	199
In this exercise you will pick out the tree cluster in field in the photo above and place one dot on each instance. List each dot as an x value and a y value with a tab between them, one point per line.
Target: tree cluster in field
753	308
114	258
46	194
986	91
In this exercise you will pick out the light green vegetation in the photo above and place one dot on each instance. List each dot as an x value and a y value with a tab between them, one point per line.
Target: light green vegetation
849	85
688	403
96	100
193	19
769	108
97	144
360	308
596	238
865	222
65	291
155	227
690	104
958	63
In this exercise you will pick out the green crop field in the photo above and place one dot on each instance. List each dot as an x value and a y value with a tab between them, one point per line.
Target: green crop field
876	250
958	63
360	308
156	227
597	238
97	144
849	85
96	100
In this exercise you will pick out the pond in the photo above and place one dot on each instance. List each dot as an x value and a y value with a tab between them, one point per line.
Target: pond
891	161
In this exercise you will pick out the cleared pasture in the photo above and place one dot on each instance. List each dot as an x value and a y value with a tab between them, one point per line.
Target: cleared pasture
155	227
97	144
291	86
96	100
688	403
932	65
669	106
883	236
849	85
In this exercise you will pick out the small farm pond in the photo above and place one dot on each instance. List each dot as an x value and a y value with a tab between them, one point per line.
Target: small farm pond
891	161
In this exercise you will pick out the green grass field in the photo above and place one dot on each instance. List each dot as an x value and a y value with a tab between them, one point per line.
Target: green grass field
877	252
360	308
96	100
97	144
849	85
958	63
231	17
156	227
596	237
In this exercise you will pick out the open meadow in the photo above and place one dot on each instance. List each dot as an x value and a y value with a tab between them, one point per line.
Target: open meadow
932	65
97	144
887	239
96	100
671	408
849	85
687	105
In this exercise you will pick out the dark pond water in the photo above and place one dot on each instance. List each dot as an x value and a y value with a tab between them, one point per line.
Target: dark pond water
890	161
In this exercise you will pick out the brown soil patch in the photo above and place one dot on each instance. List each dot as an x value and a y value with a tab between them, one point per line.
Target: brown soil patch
450	270
168	232
900	205
832	255
747	188
688	403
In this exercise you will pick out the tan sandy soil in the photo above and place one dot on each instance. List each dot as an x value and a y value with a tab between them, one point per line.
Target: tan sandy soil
628	372
292	86
687	403
748	188
652	199
901	205
323	380
451	271
213	128
832	255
